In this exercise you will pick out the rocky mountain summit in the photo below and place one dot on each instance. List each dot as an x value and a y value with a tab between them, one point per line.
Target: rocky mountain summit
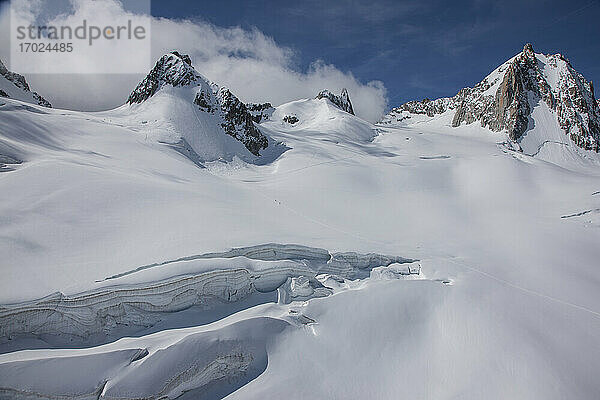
171	69
15	86
505	99
232	116
342	101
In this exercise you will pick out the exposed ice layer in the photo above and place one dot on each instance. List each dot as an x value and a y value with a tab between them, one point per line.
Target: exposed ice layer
209	361
203	280
92	315
395	271
316	258
274	251
301	288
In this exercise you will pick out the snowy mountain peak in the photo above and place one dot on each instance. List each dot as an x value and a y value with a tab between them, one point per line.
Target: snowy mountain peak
506	99
173	69
209	120
14	86
342	101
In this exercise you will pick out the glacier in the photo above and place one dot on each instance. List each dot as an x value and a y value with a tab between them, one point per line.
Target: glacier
409	258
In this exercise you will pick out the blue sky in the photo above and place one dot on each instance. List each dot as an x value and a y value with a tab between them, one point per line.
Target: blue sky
418	49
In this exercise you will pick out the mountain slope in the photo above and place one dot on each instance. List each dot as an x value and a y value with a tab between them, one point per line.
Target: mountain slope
178	105
15	86
505	100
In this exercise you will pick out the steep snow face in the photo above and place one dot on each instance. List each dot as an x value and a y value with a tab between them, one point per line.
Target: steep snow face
15	86
505	100
342	101
177	105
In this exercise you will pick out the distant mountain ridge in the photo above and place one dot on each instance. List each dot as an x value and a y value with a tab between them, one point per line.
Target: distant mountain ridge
504	100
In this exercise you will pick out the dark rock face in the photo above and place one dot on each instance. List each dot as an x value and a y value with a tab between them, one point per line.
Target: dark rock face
510	105
175	69
342	101
260	112
20	82
521	82
203	101
509	108
577	110
238	122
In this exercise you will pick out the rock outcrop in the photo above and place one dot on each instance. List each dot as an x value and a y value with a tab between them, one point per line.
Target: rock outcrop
20	83
260	111
504	100
342	101
239	123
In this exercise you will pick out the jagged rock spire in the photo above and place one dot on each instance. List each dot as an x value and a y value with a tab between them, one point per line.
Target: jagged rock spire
342	101
528	49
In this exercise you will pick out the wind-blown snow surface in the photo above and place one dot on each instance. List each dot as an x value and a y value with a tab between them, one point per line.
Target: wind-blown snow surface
504	304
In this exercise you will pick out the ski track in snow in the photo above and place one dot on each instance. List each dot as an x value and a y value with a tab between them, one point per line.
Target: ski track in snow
525	290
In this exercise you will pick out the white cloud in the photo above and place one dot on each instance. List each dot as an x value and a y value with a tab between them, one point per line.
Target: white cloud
250	63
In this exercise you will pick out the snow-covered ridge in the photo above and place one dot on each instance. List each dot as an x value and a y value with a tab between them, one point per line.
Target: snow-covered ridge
15	86
131	301
505	99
